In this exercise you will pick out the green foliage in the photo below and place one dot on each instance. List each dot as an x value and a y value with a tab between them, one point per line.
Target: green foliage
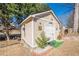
8	10
56	43
19	11
42	41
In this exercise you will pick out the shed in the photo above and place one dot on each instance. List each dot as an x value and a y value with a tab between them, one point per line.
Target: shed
35	24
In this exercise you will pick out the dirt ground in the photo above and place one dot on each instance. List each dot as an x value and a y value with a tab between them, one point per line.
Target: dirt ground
70	47
14	50
8	43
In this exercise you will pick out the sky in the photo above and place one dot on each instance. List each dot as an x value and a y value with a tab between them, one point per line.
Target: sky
62	11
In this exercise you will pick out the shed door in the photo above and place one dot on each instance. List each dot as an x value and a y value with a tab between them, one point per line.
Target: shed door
49	30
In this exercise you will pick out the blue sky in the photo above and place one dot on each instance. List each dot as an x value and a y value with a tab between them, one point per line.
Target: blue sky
62	11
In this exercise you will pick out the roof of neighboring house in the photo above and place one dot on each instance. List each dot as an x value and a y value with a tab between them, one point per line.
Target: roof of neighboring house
40	15
1	27
9	28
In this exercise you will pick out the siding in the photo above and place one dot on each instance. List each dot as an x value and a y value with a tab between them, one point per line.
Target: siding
31	28
49	18
27	35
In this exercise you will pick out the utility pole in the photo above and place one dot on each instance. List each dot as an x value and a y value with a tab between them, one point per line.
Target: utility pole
76	18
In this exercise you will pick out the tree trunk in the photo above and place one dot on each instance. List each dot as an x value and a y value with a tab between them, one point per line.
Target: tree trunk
76	18
7	34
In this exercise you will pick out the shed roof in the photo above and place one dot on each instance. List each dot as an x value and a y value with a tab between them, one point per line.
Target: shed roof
40	14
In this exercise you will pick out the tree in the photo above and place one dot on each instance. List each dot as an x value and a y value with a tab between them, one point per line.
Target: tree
4	17
19	11
27	9
70	22
76	18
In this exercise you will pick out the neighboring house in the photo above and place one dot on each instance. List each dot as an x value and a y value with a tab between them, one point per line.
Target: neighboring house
13	32
35	24
1	28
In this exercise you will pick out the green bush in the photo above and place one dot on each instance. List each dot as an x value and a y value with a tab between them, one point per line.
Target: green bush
42	41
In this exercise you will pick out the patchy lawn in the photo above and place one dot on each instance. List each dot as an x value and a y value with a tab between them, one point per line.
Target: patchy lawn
8	43
13	48
70	47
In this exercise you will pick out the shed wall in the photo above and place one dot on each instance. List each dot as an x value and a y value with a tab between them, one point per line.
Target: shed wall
26	34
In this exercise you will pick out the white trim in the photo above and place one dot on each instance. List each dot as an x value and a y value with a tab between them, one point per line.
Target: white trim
55	17
33	33
41	13
25	19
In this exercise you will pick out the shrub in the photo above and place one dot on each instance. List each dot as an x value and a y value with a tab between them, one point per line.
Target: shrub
42	41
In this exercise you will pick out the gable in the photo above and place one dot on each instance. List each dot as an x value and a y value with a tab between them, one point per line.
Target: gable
45	15
48	17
